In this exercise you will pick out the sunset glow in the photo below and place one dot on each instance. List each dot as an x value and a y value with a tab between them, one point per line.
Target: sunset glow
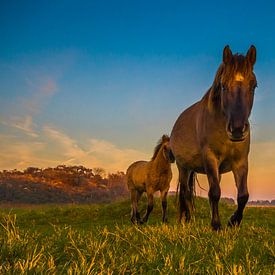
98	86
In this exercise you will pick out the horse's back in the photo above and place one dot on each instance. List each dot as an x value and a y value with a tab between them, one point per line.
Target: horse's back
136	175
184	141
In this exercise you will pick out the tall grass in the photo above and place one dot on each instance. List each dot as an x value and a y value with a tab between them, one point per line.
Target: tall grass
101	240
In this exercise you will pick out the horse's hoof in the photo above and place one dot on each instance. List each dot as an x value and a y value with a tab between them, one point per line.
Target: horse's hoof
233	223
234	220
217	227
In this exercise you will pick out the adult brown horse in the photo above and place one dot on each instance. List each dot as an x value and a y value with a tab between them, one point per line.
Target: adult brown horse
212	136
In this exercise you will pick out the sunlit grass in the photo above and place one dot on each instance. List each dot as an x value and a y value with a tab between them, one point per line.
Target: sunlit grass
101	240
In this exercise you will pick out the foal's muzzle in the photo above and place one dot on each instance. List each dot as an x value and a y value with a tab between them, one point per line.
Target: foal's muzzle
171	156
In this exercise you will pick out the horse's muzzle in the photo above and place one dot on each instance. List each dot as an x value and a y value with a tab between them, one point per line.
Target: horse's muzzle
237	134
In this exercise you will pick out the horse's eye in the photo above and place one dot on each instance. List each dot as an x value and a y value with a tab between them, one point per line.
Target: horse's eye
223	87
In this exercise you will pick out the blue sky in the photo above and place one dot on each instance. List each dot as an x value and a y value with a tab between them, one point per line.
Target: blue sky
98	82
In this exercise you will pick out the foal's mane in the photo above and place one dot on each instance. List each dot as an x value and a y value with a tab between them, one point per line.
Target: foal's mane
164	138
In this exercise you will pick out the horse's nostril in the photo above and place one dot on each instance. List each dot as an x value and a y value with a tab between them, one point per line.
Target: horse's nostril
235	130
245	127
230	128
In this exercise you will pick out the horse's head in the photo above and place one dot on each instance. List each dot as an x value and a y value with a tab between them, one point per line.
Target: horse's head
167	151
236	83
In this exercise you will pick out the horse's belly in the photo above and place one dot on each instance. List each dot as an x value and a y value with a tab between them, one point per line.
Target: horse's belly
187	153
225	167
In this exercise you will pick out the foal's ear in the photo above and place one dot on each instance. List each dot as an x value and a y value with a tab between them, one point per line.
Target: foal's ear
165	138
251	55
227	55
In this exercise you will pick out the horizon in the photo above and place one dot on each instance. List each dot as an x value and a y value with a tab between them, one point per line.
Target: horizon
97	84
201	193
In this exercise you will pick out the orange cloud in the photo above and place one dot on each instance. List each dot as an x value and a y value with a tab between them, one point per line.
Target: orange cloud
98	153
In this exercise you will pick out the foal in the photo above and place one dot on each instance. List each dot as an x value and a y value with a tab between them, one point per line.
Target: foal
151	176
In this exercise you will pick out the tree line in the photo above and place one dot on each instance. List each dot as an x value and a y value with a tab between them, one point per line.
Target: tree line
61	184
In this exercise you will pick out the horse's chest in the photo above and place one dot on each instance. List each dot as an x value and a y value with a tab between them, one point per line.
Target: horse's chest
228	156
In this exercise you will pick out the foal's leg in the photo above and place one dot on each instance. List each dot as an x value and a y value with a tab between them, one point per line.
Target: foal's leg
185	195
139	194
163	196
240	174
214	193
135	195
150	205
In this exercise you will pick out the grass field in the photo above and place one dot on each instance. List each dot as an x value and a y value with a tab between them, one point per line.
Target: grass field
99	239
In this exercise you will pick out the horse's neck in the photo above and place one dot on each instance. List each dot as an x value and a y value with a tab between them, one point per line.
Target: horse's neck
212	101
213	95
160	160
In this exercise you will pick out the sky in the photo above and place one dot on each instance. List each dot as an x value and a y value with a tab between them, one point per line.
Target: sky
97	83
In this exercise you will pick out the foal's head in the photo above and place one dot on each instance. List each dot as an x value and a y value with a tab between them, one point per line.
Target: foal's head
236	82
163	147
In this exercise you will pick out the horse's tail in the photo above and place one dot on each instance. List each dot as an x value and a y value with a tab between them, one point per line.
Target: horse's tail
177	191
192	187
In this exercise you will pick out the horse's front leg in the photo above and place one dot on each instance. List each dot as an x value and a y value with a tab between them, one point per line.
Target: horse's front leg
214	194
150	205
163	196
240	171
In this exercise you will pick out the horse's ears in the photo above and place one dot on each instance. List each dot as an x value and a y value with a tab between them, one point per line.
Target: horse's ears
227	55
251	55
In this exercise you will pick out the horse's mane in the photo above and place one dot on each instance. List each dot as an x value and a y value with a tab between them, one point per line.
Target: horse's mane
238	64
164	138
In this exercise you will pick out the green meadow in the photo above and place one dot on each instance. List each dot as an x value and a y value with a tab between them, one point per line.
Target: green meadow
99	239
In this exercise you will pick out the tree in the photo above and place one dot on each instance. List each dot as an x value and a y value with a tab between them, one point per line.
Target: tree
98	171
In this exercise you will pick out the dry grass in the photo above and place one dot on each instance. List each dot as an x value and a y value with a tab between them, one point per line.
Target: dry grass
101	240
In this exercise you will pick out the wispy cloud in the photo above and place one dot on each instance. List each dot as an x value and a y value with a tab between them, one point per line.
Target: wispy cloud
116	158
42	89
21	116
24	124
100	153
19	154
68	147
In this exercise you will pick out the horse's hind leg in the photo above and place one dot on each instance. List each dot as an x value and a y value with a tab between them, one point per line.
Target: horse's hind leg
240	175
135	196
185	194
150	205
163	196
